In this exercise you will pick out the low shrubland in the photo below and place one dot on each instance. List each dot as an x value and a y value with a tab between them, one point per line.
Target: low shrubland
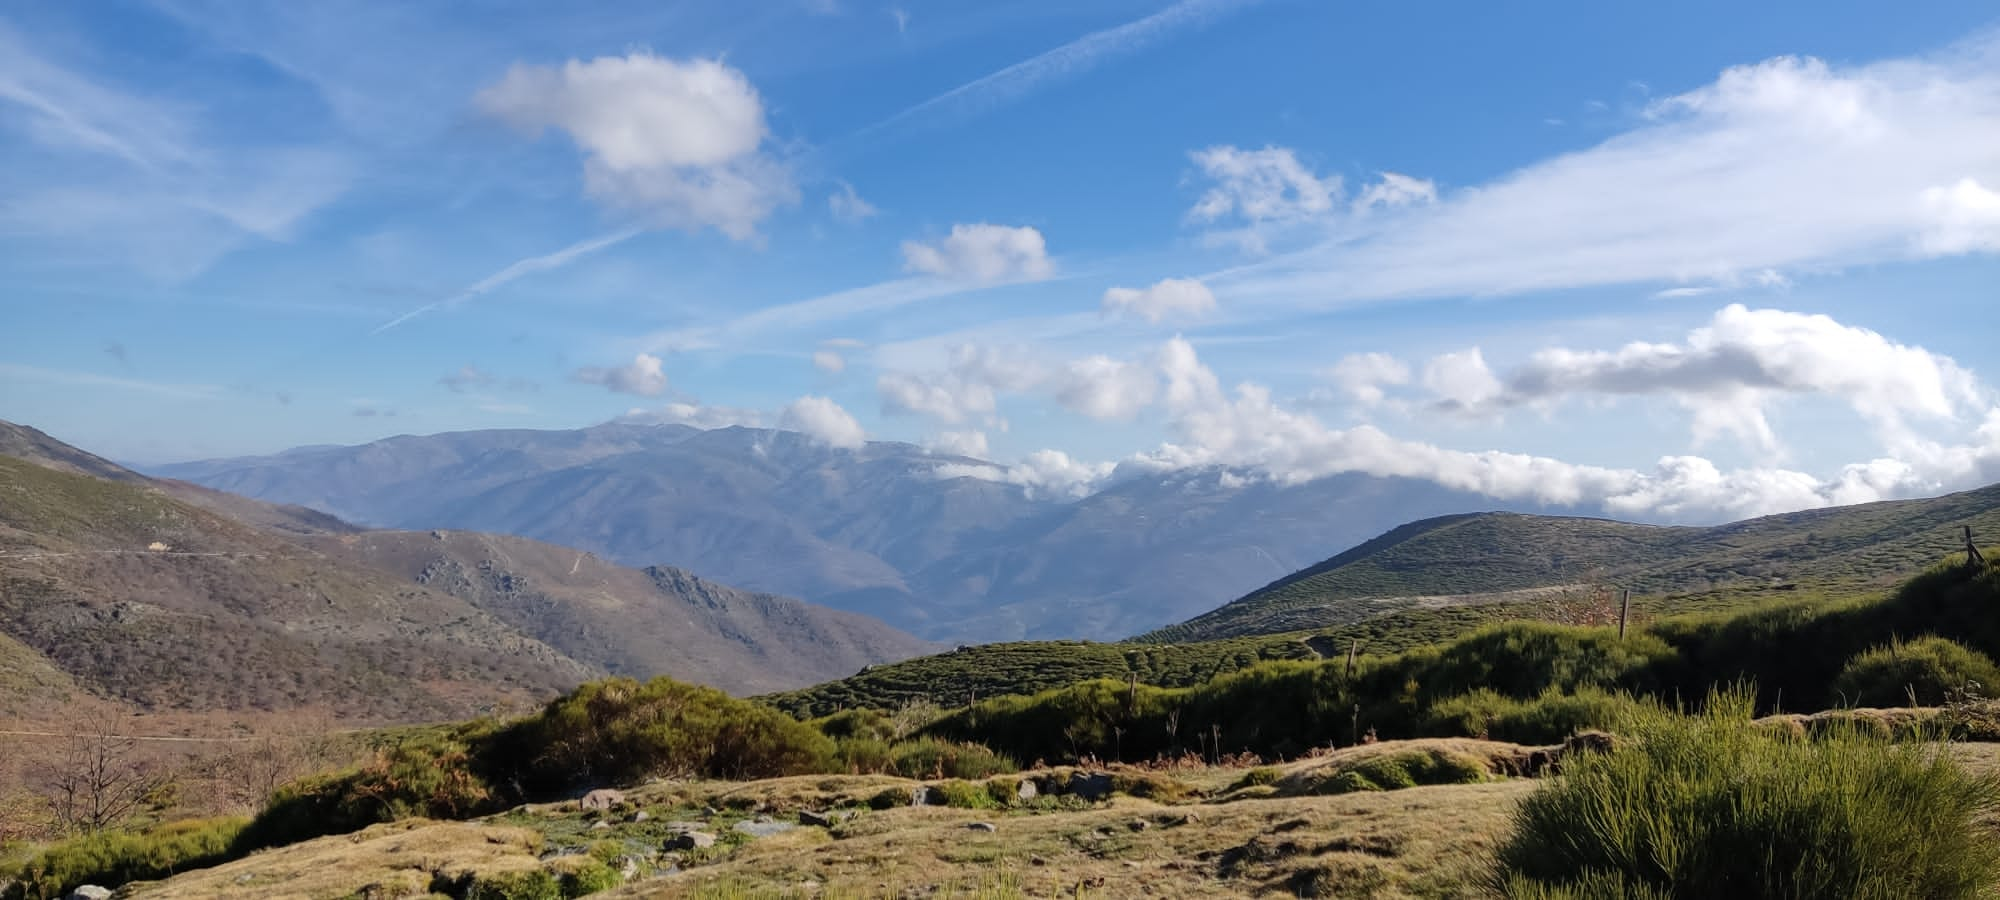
1709	806
117	857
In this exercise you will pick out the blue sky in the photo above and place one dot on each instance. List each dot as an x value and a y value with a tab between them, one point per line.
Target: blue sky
1688	261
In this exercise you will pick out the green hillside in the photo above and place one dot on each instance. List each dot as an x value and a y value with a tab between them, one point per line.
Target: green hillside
1497	557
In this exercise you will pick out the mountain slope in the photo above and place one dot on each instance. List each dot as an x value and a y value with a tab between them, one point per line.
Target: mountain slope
875	530
133	591
655	621
1477	558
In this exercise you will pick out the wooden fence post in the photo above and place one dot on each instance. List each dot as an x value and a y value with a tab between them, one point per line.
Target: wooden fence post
1624	611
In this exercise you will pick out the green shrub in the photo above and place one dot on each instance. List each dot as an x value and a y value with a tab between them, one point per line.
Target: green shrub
1932	669
1710	806
864	755
581	876
532	884
1546	719
622	730
857	723
1258	776
962	794
113	858
932	758
1396	770
432	776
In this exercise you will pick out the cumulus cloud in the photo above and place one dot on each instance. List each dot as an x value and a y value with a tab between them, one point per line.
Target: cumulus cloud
641	376
1462	381
1260	186
824	421
1362	377
970	386
1104	388
959	443
967	388
694	415
1728	371
1243	428
982	253
1965	219
1171	297
848	207
678	142
829	362
1786	165
1043	472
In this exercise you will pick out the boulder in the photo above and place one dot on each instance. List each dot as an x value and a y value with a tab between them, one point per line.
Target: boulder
90	892
1027	790
829	819
982	826
1091	786
601	799
691	840
763	828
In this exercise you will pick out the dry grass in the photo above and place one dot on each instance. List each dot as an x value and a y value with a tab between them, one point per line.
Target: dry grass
1424	842
398	859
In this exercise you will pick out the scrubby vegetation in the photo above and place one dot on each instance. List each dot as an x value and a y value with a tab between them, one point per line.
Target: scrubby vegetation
1924	672
116	857
1523	681
1708	806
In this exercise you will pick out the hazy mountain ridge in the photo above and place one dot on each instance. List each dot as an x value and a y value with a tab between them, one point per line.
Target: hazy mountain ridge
874	530
169	595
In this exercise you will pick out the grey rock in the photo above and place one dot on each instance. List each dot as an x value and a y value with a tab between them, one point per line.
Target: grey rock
764	828
691	840
1028	790
982	826
601	799
922	795
90	892
601	825
812	819
1092	786
641	816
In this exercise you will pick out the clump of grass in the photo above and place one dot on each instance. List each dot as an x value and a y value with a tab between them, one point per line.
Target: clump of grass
1400	769
113	858
1928	670
1709	805
1545	719
964	795
1257	777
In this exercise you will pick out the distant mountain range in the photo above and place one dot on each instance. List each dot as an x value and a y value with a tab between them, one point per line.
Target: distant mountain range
169	595
880	530
1500	556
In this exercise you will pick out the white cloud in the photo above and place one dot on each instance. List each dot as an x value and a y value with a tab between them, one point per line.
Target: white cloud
829	362
824	421
1171	297
1243	428
1728	371
1394	191
848	207
641	376
516	270
1461	380
1043	472
1104	388
1783	166
1966	219
1363	376
959	443
694	415
970	386
677	141
983	253
1259	186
